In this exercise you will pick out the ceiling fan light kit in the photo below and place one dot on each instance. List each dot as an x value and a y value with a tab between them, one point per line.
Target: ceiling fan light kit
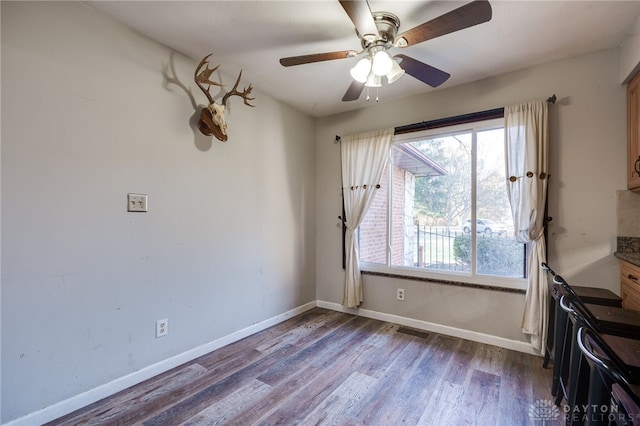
381	63
378	65
361	70
378	32
395	73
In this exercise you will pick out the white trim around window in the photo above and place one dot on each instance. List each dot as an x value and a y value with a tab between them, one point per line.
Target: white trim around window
471	276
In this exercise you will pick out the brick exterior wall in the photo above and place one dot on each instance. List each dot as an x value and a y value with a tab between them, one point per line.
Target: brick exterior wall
373	230
397	224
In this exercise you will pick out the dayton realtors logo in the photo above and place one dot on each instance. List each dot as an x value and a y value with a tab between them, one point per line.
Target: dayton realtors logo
543	411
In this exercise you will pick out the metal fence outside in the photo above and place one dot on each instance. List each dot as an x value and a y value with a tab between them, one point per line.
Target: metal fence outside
435	247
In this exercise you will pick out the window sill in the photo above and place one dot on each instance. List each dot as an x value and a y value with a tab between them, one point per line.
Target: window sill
407	276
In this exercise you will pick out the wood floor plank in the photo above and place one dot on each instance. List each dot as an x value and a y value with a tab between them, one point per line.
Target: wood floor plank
385	349
541	393
300	334
271	368
407	403
490	359
312	362
462	357
139	399
272	336
321	352
326	367
193	403
391	383
444	404
221	411
481	399
232	370
368	357
515	391
339	404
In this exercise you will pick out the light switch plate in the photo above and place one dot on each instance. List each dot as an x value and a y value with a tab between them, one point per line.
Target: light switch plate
137	202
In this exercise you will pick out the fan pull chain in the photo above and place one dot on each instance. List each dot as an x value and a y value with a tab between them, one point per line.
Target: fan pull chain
377	95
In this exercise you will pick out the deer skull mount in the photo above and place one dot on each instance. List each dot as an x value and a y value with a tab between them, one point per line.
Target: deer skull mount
212	117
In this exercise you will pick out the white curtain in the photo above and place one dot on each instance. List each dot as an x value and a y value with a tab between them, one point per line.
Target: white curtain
364	157
527	154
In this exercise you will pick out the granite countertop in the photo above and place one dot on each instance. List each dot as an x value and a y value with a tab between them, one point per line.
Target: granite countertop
633	258
628	250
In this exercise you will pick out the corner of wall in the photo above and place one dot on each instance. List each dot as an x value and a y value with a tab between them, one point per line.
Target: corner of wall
630	53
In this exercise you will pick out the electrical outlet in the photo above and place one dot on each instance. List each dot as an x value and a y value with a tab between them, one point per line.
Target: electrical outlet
400	293
162	327
137	203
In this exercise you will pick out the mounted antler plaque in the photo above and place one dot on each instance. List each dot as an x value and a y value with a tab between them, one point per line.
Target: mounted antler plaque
212	117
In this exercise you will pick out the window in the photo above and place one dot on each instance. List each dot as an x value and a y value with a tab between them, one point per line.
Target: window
443	211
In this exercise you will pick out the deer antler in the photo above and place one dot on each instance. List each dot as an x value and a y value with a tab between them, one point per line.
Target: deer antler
204	78
244	94
212	121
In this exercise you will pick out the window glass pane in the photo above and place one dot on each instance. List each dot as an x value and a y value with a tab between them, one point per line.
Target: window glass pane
372	233
434	186
497	251
430	197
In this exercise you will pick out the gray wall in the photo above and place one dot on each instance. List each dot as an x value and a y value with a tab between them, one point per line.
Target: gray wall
228	240
587	157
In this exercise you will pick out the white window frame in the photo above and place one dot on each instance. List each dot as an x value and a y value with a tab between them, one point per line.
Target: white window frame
470	277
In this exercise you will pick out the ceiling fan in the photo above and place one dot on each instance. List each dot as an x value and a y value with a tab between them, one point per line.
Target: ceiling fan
378	32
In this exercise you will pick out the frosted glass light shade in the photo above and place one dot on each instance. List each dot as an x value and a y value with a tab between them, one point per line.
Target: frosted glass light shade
360	71
395	73
382	63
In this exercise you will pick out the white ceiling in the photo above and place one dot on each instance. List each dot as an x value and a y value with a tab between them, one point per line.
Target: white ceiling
254	35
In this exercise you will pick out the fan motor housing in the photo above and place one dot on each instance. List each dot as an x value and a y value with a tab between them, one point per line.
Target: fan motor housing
387	25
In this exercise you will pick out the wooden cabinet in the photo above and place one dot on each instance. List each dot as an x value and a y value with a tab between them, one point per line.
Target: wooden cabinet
633	134
630	285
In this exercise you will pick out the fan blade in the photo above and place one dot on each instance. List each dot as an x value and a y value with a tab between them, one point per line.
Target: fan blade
466	16
316	57
360	14
353	92
423	72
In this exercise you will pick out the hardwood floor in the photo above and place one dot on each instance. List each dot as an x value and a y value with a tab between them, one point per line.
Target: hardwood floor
325	367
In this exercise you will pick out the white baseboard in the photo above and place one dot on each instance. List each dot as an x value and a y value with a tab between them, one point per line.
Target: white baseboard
82	400
67	406
434	328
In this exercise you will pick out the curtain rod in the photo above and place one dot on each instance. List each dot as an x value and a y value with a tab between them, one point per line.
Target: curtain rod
458	119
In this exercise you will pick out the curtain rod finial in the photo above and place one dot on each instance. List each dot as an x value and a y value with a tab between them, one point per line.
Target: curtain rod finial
338	138
552	99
